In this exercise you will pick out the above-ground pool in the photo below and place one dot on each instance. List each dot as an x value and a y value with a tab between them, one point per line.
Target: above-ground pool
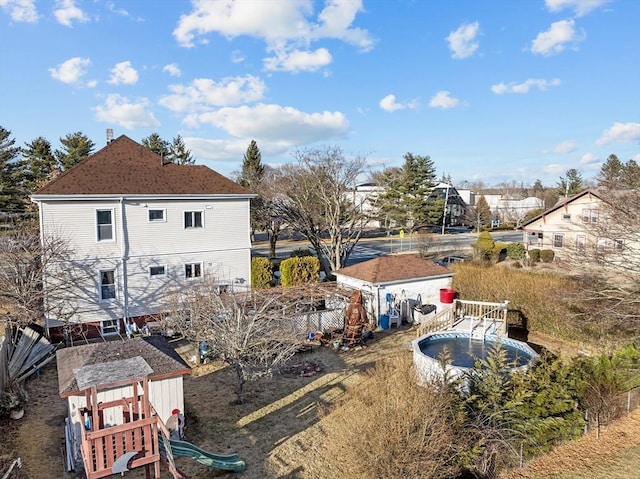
463	350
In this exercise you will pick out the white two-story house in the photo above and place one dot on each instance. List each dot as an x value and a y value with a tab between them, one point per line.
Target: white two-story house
136	230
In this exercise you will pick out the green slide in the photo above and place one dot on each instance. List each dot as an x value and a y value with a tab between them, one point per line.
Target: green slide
224	462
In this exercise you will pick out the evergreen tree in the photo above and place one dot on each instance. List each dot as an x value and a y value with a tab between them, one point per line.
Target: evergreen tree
252	168
251	178
571	183
38	163
178	152
538	189
156	144
483	212
9	191
617	175
75	148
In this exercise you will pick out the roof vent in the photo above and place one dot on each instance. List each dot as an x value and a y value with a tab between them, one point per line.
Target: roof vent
109	135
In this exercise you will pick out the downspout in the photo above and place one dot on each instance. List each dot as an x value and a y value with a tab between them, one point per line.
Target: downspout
45	301
124	256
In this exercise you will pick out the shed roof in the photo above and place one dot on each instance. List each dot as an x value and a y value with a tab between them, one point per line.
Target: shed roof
158	354
395	267
124	167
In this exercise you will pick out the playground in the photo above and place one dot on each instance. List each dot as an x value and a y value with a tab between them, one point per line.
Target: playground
272	432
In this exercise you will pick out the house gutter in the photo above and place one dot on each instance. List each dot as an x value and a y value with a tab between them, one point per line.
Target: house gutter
124	256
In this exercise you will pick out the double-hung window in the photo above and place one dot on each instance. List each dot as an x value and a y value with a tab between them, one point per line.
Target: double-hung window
107	285
104	220
193	219
558	240
193	270
589	216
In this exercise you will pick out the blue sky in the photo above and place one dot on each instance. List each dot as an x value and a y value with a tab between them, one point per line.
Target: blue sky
492	90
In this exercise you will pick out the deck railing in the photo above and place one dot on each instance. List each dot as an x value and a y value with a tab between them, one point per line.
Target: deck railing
103	447
480	315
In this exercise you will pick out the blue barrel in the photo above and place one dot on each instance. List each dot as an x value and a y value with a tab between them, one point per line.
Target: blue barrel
384	321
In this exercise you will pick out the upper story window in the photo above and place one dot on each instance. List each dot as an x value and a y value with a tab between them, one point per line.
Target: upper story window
105	225
156	216
566	217
193	270
589	216
193	219
107	285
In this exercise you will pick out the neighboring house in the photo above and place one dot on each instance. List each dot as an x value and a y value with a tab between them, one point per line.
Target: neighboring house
569	225
406	277
114	368
139	229
512	209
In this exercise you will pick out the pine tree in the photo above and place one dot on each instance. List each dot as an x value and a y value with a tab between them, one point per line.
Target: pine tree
38	163
571	183
178	152
76	147
9	191
251	177
156	144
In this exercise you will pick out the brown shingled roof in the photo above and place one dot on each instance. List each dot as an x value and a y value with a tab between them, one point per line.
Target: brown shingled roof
125	167
394	267
155	350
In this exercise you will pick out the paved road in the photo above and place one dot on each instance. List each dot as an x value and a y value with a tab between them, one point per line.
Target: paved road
368	248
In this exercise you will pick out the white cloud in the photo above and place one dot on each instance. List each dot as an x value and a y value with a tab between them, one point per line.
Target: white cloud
284	125
620	133
589	159
389	103
554	40
66	12
70	71
237	56
524	87
636	158
123	73
462	42
565	147
285	26
172	69
118	110
580	7
298	60
204	93
443	100
21	10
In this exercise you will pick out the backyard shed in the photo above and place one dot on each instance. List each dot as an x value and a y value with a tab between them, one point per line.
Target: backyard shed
403	281
116	371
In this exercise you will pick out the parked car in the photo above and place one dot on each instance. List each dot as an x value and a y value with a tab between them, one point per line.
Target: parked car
449	260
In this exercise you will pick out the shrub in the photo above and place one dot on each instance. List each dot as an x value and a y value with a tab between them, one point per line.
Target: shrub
299	270
534	255
547	255
301	253
261	273
516	251
484	245
499	252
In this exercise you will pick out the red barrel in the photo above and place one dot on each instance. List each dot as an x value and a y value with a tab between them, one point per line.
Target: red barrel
447	295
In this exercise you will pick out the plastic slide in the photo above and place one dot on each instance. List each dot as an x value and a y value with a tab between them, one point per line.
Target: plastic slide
224	462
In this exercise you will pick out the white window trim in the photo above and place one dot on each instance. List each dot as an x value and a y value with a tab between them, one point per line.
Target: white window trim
163	275
553	240
164	215
193	278
116	327
113	225
115	286
184	225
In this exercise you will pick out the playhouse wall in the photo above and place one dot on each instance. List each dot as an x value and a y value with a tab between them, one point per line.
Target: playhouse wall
164	395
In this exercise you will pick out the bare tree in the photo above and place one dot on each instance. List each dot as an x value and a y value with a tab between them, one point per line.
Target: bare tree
251	332
608	263
315	202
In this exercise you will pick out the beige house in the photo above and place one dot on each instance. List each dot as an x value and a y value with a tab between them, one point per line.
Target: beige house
571	225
